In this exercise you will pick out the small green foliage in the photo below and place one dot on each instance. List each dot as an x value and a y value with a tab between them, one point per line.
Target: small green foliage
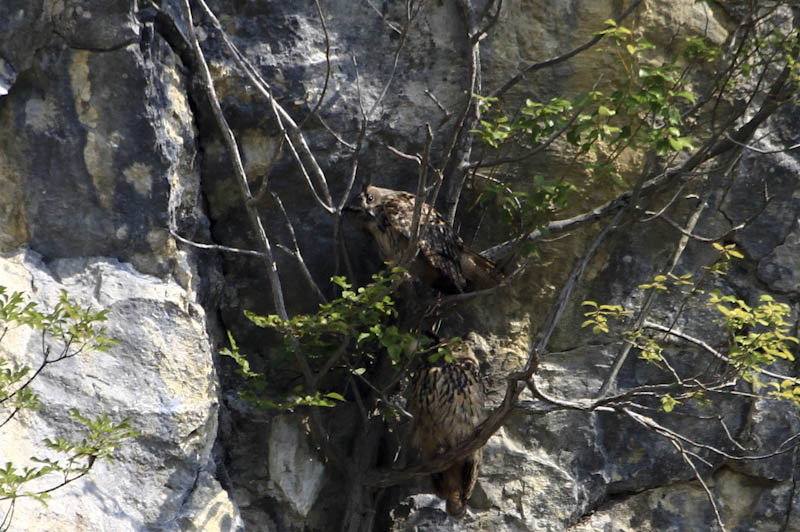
233	352
662	283
619	33
526	208
668	403
76	459
77	327
642	109
74	330
758	335
445	351
696	49
350	329
398	344
357	314
726	254
598	315
649	348
787	390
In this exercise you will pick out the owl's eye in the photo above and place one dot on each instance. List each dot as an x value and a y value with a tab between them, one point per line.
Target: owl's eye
370	198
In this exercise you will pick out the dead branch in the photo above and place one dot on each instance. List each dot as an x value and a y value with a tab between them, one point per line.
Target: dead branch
233	150
292	132
391	26
269	261
419	201
689	232
459	147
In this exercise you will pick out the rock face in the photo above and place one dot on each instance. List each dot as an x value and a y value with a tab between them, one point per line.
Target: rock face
108	149
165	478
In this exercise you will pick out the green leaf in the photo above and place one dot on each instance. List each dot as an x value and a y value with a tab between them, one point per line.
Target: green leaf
605	111
336	396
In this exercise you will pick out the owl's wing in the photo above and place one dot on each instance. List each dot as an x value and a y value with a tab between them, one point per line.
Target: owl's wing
438	243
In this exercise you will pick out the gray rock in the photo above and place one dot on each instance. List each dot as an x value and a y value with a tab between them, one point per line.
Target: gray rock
293	466
160	375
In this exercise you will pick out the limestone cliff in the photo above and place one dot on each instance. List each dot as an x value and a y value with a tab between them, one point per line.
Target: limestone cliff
109	151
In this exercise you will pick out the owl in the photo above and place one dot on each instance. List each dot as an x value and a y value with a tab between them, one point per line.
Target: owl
443	261
446	401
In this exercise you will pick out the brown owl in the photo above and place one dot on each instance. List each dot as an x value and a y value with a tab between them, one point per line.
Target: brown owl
447	404
443	262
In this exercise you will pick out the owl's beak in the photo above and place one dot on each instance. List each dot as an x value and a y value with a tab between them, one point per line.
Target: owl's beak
354	211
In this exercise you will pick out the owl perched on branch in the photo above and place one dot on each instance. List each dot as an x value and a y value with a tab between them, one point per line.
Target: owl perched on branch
447	404
443	261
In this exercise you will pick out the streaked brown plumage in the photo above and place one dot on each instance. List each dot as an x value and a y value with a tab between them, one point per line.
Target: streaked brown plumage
447	404
444	261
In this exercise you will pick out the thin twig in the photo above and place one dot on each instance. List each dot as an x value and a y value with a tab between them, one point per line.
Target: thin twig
255	219
419	202
441	107
686	458
391	26
217	247
563	57
327	65
610	380
716	354
689	232
292	132
297	254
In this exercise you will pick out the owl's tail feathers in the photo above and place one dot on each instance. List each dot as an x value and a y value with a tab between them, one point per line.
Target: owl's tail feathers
456	506
455	484
479	272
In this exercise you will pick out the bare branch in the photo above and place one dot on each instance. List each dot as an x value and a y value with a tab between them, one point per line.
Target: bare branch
758	150
459	147
645	309
686	458
296	253
650	423
689	232
292	131
716	354
217	247
255	220
410	16
327	65
238	168
416	158
441	107
561	58
419	201
391	26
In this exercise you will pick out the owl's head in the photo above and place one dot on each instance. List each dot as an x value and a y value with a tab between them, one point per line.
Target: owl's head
374	197
369	201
